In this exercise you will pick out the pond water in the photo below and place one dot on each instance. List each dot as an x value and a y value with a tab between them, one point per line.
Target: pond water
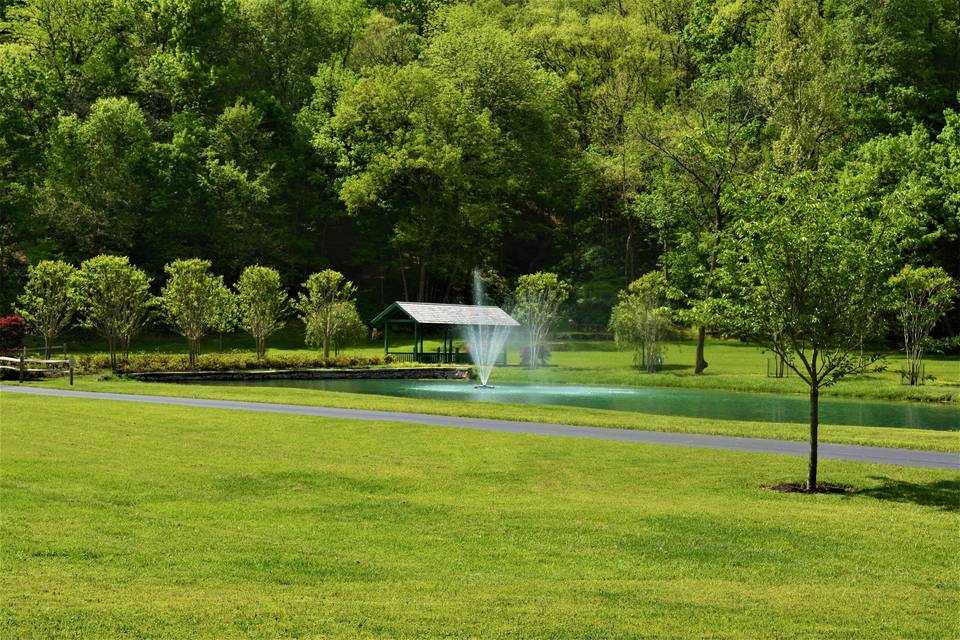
700	403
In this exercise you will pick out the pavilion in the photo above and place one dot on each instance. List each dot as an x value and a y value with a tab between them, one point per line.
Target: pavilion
438	319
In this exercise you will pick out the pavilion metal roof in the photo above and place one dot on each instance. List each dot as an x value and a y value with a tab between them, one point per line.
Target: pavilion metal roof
450	314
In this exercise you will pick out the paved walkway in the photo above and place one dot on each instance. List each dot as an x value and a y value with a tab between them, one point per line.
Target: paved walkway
882	455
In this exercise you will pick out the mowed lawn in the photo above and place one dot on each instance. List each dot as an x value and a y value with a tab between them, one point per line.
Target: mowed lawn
921	439
149	521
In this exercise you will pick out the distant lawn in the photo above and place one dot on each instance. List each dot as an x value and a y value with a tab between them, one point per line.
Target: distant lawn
733	366
839	434
130	521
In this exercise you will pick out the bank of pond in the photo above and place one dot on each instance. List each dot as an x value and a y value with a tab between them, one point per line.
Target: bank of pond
694	403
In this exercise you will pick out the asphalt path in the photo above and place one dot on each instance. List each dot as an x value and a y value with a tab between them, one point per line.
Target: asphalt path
881	455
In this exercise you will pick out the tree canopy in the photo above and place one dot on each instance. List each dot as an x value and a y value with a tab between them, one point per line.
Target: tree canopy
406	143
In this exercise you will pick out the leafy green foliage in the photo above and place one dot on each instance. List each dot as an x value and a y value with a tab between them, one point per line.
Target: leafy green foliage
262	303
920	298
328	309
48	301
194	301
805	273
406	142
114	300
641	320
228	361
95	186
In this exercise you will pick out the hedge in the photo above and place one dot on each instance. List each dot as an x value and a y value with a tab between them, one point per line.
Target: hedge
153	362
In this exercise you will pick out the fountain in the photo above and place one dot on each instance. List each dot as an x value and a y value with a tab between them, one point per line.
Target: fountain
486	342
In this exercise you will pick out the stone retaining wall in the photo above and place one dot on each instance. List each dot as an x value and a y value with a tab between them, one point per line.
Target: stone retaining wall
406	373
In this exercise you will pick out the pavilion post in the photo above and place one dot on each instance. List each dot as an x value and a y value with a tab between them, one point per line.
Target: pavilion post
386	337
416	340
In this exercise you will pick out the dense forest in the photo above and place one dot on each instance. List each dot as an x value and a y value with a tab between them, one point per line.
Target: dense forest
407	142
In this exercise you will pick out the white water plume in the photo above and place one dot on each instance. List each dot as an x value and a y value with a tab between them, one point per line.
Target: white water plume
485	342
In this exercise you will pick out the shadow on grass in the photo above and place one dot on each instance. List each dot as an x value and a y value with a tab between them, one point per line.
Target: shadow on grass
942	494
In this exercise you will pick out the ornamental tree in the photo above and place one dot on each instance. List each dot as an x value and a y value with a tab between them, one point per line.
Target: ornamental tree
346	326
804	275
921	296
191	300
538	298
114	300
641	319
325	308
48	301
262	303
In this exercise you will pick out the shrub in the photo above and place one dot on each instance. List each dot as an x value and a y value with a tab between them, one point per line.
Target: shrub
230	361
12	330
543	356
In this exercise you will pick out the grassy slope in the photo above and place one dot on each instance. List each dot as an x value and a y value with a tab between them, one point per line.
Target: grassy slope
168	522
733	366
875	436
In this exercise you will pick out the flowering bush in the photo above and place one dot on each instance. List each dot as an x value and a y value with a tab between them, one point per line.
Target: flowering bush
12	330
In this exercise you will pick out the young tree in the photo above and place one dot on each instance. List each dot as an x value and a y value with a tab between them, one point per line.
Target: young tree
48	300
538	298
641	319
324	308
262	303
191	300
114	299
805	273
345	327
709	141
921	297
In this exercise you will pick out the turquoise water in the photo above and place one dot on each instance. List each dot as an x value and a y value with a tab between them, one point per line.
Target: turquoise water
699	403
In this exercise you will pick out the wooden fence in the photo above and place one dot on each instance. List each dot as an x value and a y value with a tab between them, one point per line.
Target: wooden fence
24	365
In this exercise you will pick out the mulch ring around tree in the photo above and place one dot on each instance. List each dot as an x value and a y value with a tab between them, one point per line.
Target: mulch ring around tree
801	487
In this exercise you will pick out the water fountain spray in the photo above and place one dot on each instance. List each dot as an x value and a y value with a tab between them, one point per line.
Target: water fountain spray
486	342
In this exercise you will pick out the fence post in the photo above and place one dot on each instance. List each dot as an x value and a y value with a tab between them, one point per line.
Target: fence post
21	368
72	362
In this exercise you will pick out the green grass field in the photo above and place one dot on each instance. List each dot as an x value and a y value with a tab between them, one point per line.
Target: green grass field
839	434
147	521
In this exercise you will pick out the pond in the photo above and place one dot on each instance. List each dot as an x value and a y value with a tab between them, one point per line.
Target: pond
699	403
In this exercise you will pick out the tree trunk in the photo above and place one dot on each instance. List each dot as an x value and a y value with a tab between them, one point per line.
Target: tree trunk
46	347
701	339
814	426
422	287
326	345
403	278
